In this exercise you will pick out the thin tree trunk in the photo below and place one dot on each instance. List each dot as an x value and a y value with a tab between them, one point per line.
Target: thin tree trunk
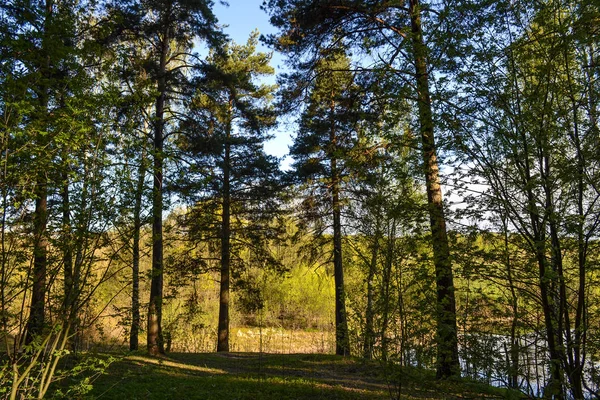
550	273
369	342
79	242
513	367
223	329
538	242
554	387
67	246
385	286
405	357
446	333
580	328
155	339
135	273
576	347
3	248
342	343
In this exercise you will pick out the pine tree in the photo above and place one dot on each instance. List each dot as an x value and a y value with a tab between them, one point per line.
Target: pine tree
326	137
169	28
391	38
236	186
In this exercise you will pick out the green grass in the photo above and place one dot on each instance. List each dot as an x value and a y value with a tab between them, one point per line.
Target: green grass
277	377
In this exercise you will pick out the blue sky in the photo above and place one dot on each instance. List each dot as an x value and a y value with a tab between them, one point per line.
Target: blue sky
243	17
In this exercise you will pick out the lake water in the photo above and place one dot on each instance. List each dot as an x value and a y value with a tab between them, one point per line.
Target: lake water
487	358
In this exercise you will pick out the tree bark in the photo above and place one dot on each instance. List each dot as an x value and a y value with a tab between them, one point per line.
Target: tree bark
446	332
369	342
386	281
223	329
35	323
513	365
538	240
155	339
67	246
576	347
580	328
135	273
342	344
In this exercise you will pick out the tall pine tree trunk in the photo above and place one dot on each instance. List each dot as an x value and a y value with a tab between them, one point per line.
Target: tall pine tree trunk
35	323
342	343
446	332
223	335
155	339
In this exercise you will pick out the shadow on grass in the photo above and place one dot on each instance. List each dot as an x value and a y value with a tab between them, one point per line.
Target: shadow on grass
230	376
261	376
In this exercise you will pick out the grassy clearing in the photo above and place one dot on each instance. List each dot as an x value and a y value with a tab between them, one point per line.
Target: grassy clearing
270	376
266	340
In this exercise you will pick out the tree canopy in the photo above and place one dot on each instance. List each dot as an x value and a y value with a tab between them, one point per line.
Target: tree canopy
438	206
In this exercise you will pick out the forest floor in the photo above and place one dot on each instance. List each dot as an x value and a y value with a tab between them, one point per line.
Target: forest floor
274	377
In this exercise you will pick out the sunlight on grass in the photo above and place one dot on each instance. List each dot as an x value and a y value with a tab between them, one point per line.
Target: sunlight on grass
167	363
250	376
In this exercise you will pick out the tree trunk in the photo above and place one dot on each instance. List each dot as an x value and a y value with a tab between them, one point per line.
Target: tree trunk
80	243
155	339
579	348
342	343
446	332
67	246
342	346
576	348
3	229
554	386
223	335
369	342
513	365
580	328
385	286
135	273
35	323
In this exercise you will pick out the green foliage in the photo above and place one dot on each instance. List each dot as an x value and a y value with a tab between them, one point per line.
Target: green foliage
326	140
46	363
229	118
76	381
